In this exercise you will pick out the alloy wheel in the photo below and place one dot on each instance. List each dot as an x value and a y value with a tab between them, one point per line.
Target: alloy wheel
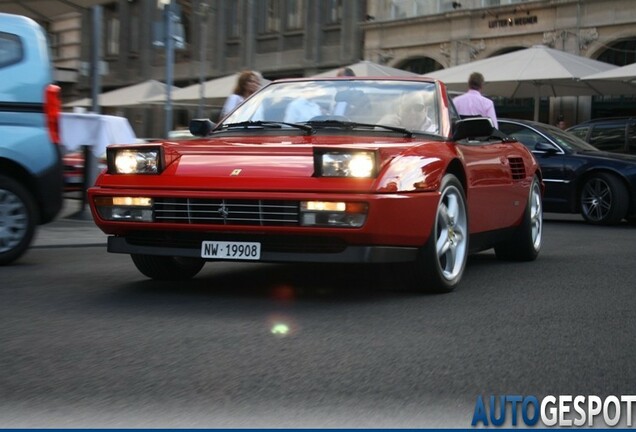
596	199
452	233
536	215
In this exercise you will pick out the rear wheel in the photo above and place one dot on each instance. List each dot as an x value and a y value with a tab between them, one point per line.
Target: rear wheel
604	199
525	243
441	262
166	267
18	220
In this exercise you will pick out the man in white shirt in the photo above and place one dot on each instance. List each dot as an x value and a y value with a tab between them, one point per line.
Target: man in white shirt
472	103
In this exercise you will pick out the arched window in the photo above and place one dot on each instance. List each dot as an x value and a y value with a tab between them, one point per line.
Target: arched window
420	65
620	53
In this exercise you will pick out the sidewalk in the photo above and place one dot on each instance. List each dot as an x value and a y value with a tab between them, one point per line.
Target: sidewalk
70	228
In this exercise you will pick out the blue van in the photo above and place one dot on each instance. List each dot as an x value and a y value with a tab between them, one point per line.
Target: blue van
31	170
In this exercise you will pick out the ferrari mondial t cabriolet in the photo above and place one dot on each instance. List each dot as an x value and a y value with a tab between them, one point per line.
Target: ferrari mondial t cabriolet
344	170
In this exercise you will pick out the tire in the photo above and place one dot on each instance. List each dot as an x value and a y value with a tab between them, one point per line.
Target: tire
18	220
442	260
525	243
167	268
604	199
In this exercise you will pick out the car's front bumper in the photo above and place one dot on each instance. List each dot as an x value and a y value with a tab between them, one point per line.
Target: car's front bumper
397	225
350	254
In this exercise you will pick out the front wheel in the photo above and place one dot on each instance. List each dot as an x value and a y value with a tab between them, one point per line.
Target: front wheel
167	267
441	262
604	200
18	220
525	243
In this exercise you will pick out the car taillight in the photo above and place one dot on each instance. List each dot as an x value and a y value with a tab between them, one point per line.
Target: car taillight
52	109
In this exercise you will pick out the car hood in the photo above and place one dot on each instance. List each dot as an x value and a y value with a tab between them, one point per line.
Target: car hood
269	163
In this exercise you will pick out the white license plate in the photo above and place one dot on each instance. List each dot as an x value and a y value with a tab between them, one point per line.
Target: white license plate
231	250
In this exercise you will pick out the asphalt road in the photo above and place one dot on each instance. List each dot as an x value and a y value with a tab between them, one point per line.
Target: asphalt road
87	341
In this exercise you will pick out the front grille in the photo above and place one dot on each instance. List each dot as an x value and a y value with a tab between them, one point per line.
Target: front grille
517	168
227	211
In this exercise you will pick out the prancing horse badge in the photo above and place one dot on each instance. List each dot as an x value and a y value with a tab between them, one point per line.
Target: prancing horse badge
236	172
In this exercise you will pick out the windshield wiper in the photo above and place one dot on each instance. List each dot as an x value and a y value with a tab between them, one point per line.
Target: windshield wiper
267	124
351	125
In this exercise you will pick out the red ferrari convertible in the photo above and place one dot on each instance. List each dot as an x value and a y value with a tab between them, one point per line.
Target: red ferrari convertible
354	170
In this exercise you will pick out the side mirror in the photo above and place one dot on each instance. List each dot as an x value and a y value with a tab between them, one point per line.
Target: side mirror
546	147
201	127
473	128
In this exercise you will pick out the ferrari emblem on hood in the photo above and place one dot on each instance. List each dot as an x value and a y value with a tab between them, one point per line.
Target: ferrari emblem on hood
236	172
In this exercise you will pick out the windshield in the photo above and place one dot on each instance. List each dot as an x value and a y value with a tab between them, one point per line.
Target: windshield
568	140
398	104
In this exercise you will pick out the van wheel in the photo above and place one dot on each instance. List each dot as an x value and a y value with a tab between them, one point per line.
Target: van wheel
18	220
167	267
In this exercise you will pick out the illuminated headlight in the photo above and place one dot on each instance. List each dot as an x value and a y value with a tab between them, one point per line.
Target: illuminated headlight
333	214
127	209
134	160
351	163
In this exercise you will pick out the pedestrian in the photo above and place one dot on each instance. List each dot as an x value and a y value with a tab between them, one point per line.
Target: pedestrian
473	103
247	83
560	123
346	71
346	100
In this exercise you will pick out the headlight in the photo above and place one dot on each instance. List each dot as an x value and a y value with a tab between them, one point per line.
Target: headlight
333	214
128	209
347	163
134	160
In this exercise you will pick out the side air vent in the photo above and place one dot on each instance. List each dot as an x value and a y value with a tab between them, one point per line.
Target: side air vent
517	168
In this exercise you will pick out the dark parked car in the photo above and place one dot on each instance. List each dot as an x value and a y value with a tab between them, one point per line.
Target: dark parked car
579	177
30	156
615	134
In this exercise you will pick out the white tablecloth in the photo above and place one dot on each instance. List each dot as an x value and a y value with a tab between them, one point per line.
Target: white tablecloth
94	130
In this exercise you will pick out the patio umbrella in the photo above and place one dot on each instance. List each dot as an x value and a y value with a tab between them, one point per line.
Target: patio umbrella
626	74
133	95
533	72
367	68
215	92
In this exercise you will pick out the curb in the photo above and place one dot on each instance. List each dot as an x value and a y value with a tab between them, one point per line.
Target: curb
73	227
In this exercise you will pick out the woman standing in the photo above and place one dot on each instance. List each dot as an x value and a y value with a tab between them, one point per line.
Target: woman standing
248	82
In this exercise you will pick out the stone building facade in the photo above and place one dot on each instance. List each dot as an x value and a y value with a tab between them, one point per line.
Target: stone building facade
279	38
423	36
289	38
